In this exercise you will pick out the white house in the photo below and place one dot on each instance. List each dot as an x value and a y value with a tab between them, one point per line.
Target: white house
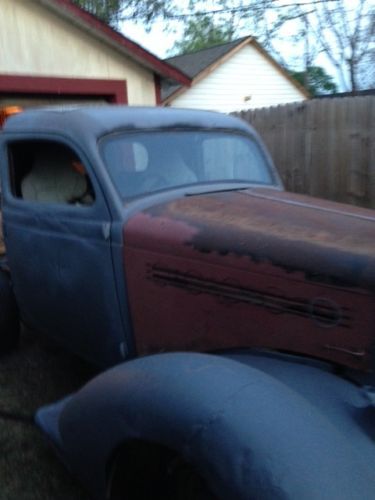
231	77
52	51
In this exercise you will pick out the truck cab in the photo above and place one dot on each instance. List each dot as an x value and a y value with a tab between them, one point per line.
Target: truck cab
73	180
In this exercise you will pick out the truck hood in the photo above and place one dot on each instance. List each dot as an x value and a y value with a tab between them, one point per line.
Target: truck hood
283	263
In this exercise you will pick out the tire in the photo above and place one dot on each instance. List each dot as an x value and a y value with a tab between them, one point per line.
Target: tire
9	320
146	470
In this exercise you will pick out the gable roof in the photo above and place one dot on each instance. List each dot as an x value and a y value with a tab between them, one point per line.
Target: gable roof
200	63
194	63
102	31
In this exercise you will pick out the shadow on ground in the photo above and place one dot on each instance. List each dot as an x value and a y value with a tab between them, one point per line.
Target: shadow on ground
36	374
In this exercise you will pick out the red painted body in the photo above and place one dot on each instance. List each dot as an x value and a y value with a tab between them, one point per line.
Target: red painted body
257	268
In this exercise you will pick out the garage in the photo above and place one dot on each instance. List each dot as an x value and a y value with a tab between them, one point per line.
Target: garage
53	52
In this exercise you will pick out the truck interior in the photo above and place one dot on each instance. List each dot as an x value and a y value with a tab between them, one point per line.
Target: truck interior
48	172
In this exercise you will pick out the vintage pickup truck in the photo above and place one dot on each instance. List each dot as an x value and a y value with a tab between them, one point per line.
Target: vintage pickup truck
238	319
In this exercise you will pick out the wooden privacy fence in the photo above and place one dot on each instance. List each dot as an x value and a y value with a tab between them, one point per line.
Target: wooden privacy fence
324	147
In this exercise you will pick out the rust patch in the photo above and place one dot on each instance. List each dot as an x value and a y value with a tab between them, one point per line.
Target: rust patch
325	245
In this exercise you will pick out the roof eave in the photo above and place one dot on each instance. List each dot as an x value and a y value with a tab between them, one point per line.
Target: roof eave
211	67
280	68
100	30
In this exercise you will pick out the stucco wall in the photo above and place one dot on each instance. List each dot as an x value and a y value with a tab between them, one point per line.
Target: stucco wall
247	73
35	41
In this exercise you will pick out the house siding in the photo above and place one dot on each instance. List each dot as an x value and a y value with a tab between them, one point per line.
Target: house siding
36	42
245	73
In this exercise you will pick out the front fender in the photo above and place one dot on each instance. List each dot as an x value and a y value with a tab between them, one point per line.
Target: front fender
245	431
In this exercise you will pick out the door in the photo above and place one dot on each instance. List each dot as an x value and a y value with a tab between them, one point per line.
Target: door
57	233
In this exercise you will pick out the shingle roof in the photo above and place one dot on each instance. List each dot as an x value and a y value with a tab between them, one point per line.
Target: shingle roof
194	63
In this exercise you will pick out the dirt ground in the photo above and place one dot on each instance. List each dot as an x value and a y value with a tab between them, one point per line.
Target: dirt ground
36	374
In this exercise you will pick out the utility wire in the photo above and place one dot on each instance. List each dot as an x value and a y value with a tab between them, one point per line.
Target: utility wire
226	10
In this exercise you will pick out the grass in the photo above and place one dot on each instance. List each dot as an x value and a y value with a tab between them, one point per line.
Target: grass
36	374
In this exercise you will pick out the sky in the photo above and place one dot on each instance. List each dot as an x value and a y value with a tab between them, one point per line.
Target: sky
156	41
161	43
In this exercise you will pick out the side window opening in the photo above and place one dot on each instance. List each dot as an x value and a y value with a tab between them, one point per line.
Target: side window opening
48	172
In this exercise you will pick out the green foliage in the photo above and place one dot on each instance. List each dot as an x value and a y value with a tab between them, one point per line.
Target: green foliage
316	80
106	10
148	11
202	33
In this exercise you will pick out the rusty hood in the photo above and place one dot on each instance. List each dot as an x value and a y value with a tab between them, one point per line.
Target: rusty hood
253	268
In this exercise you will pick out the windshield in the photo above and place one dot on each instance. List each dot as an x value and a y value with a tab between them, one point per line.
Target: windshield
145	162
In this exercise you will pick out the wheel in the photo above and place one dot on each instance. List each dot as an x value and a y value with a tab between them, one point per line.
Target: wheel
9	321
144	470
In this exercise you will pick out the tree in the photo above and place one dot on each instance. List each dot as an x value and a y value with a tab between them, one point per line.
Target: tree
318	81
341	29
201	33
345	33
108	11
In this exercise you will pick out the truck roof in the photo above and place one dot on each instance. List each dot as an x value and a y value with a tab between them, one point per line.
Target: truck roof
100	120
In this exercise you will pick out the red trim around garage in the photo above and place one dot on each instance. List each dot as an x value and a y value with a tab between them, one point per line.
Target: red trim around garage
114	91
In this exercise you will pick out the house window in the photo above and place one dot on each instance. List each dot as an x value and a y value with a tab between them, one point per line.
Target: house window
48	172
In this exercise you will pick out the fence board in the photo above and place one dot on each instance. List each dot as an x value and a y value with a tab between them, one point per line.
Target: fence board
323	147
370	106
